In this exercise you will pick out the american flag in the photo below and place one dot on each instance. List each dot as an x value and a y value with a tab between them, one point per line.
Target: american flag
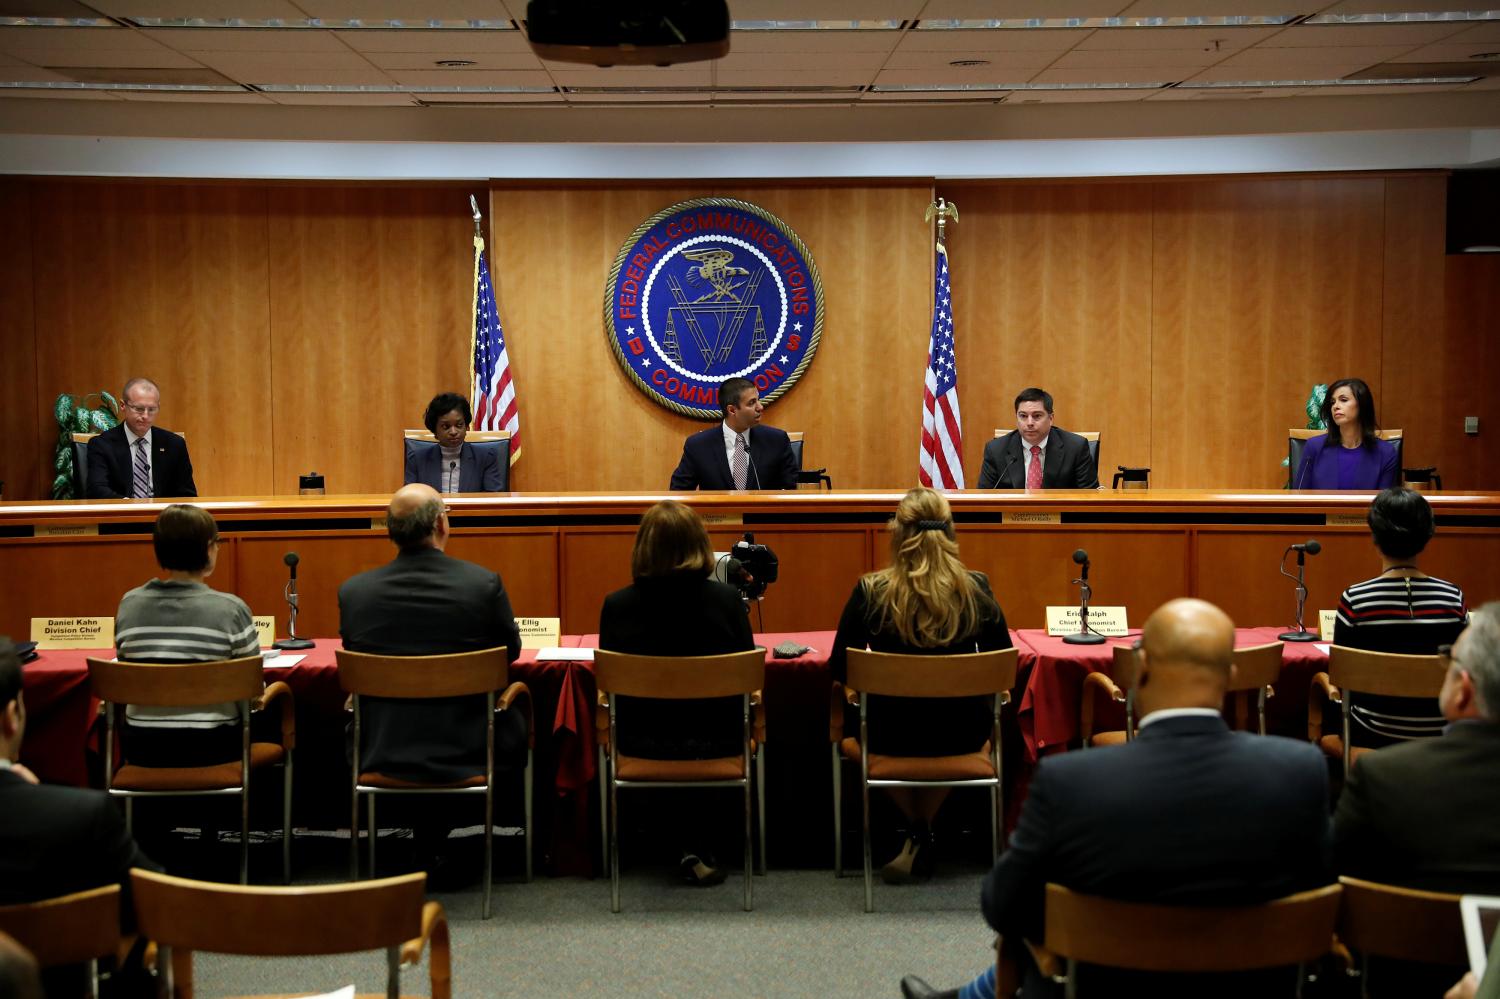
494	400
941	465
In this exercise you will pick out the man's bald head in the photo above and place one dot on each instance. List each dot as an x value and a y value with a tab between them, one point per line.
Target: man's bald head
1187	656
414	520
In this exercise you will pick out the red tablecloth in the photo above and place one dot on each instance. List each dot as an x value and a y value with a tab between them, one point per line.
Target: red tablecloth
1048	714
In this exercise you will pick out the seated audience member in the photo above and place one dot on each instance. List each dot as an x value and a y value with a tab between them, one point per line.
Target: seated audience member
924	603
54	840
673	608
1188	813
1402	610
739	453
454	466
137	459
1037	455
1424	814
1349	456
18	972
180	619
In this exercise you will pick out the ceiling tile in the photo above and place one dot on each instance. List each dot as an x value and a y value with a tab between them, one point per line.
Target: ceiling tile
1077	96
1250	74
823	10
1489	32
567	75
1449	52
246	40
1393	6
984	100
31	74
1355	57
114	39
1226	39
1225	96
812	41
163	97
491	100
937	10
344	100
1368	91
686	97
243	64
313	75
1329	35
1048	39
428	60
831	76
407	10
1124	74
1136	57
470	78
742	62
940	61
158	59
62	95
196	8
950	75
498	42
1219	8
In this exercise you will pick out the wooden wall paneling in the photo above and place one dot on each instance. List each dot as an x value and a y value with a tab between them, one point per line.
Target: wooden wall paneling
370	309
1261	288
816	571
167	281
1470	371
595	563
1468	558
1053	288
25	419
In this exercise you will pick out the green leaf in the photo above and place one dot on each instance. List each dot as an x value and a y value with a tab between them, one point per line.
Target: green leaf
62	487
113	404
81	423
1315	407
101	420
62	410
64	460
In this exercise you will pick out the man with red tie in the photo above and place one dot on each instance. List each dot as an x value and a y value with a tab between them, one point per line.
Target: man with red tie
1037	455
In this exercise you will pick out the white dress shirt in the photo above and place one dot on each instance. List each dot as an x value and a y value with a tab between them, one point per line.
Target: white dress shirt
130	439
729	443
1166	713
1026	454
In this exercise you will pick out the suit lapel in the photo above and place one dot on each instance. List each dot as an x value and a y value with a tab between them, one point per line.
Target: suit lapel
721	459
1015	461
468	469
1052	459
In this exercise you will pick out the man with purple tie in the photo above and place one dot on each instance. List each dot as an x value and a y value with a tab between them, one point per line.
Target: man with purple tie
137	459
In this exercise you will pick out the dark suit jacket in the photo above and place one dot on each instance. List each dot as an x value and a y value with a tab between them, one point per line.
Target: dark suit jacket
704	464
478	468
1188	813
1424	814
425	603
110	465
1065	463
677	616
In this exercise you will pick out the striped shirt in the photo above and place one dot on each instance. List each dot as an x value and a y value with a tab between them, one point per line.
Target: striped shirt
1407	617
166	621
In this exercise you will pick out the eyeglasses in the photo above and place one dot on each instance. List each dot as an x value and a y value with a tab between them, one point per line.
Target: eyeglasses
143	410
1445	653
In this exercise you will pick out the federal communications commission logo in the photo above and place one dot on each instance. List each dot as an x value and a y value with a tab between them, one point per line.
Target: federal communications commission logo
711	289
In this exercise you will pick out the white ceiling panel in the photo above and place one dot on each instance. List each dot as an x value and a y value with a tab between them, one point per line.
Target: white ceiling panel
428	60
742	62
470	78
1039	39
929	61
1449	52
1355	57
326	77
1225	39
1111	75
1487	32
1370	91
567	75
114	39
977	9
1251	74
197	8
413	10
10	60
163	97
344	100
148	59
1342	35
1137	57
30	74
1216	96
247	64
949	76
498	42
246	40
812	41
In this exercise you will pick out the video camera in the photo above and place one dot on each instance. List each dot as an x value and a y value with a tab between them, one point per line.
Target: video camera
748	567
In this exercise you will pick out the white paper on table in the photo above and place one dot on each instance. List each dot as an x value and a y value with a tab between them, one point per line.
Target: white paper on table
1321	647
553	654
347	992
281	662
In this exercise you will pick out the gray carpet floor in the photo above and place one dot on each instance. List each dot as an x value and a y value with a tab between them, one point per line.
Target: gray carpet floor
808	936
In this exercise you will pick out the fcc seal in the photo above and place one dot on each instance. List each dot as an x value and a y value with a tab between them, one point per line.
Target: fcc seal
711	289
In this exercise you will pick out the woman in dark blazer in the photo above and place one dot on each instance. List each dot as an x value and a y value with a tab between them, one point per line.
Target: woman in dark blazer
674	609
448	417
1349	456
925	603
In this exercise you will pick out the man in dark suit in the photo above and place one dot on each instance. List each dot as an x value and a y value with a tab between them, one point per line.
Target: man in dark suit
425	603
739	453
137	459
1037	455
1424	814
1189	813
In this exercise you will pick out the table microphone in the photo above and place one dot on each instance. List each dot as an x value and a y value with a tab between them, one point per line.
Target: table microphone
1309	547
292	642
1084	636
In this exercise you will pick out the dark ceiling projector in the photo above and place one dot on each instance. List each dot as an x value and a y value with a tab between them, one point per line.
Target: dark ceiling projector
631	33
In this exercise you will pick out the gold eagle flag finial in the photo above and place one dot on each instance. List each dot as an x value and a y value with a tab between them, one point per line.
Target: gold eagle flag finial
943	211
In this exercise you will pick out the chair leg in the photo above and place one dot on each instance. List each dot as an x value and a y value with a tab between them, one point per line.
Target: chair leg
603	773
129	816
749	849
865	842
996	821
353	835
838	816
489	848
245	834
614	846
373	829
760	791
527	786
286	820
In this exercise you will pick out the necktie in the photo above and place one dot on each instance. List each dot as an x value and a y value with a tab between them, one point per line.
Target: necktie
1034	469
740	467
140	479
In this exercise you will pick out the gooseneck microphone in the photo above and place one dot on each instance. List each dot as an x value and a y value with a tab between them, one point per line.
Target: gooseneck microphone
1308	547
292	641
1084	636
1000	479
749	460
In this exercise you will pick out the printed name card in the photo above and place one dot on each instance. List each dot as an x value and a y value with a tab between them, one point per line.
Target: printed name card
73	632
1031	517
1107	621
1345	520
723	519
65	530
265	629
539	632
1325	624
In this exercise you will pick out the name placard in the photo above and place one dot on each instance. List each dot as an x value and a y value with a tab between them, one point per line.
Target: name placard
377	523
73	632
265	629
1345	520
65	530
1031	517
1325	624
1108	621
723	519
539	632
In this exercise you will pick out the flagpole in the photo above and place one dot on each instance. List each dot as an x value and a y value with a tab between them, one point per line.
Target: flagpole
474	304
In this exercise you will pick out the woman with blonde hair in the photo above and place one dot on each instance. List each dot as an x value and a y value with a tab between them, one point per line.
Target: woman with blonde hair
924	603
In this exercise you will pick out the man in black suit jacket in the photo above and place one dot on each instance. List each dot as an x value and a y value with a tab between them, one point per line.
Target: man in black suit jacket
1189	813
114	454
708	456
1066	462
1424	814
425	603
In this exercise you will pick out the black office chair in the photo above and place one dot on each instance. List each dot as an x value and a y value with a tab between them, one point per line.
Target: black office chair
1296	442
494	440
807	476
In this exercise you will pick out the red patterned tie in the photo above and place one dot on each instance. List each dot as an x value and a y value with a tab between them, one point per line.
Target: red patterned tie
1034	470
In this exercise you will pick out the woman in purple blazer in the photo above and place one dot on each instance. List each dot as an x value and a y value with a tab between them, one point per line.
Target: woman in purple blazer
1349	456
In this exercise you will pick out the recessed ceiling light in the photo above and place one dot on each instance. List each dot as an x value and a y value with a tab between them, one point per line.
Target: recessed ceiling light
454	63
1024	23
965	63
921	88
1409	18
58	22
324	23
194	88
387	88
1412	81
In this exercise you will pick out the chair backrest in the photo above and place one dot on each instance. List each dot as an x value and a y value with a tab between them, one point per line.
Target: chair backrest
1297	438
1178	938
1256	666
1091	436
81	464
452	675
177	684
963	675
679	677
796	439
1123	672
275	921
497	441
1385	673
1402	923
69	929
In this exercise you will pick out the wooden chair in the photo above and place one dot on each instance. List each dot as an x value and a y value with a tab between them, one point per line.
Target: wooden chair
187	685
740	674
71	929
497	440
1139	936
1355	671
1296	442
1377	920
807	476
182	916
1257	668
1101	693
459	674
972	674
1091	436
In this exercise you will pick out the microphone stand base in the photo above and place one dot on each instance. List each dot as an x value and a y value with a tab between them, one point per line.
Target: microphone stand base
1083	638
1297	636
292	643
